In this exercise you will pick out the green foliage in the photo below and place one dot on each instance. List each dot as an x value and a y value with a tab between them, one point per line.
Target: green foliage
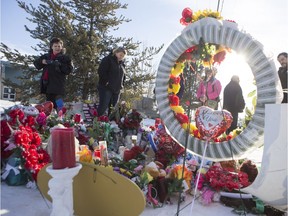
250	111
100	130
85	27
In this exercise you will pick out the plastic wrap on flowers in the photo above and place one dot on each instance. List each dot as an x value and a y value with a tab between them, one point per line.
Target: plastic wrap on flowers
14	174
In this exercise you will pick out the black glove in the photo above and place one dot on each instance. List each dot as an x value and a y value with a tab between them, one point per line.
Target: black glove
57	63
49	62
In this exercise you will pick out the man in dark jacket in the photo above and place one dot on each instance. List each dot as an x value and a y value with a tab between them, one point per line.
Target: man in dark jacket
111	80
56	66
233	100
282	73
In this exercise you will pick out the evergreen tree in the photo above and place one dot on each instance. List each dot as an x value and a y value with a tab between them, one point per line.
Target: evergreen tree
86	27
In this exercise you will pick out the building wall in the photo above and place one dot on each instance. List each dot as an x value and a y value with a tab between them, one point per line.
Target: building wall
9	72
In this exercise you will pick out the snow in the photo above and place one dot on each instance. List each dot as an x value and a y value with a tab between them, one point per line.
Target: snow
22	201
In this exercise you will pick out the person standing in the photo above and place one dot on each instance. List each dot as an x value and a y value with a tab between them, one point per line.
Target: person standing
111	80
56	66
233	100
209	89
282	73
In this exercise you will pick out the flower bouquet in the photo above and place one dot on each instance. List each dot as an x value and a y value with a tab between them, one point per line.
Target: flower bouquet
19	137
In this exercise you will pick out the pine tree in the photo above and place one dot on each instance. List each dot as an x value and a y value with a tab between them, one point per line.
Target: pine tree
86	27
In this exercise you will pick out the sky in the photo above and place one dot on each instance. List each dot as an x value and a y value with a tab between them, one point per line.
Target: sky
156	22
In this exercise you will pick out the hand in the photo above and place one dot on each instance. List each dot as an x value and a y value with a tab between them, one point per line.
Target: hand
44	61
56	63
203	99
49	61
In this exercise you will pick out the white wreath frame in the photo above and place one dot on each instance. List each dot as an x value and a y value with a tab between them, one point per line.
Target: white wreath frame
263	68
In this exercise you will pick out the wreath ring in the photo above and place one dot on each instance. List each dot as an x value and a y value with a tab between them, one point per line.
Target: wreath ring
263	68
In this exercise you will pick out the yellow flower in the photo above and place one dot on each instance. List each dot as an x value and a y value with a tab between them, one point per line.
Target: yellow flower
178	109
178	69
85	155
205	13
175	88
191	129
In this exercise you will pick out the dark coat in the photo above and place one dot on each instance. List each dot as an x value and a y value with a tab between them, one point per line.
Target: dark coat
282	72
233	100
57	71
111	73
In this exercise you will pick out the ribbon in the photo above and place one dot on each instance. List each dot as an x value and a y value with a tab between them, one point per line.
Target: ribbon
259	206
7	171
152	143
149	196
198	177
10	145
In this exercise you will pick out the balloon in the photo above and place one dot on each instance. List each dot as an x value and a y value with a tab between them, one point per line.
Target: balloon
187	13
212	123
45	107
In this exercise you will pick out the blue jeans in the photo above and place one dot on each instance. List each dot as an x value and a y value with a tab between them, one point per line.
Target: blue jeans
107	99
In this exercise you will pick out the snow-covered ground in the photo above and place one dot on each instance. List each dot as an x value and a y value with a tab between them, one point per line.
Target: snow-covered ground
22	201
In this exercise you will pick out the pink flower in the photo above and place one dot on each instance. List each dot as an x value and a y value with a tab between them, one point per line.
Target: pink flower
41	119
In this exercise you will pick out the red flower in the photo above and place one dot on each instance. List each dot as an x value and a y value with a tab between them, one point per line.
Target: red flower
16	113
191	49
175	79
182	118
186	16
30	121
174	100
187	12
77	118
103	118
132	153
219	57
64	110
5	131
221	179
93	112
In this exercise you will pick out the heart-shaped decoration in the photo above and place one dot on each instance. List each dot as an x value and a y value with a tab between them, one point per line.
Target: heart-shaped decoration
45	107
212	123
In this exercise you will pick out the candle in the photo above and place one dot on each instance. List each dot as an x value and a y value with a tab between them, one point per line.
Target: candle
63	148
134	139
97	154
103	152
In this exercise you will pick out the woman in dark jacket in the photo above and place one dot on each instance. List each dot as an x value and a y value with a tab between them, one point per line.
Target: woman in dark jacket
111	79
56	65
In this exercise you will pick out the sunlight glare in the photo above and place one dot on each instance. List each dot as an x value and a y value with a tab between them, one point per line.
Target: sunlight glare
235	64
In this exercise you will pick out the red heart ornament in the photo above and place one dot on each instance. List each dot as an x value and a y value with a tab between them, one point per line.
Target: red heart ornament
39	107
212	123
45	107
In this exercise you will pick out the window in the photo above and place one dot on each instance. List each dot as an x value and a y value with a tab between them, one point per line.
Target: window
8	93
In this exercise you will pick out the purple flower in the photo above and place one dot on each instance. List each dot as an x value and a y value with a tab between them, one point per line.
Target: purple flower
41	118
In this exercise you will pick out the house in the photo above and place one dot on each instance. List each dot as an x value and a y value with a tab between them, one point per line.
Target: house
8	71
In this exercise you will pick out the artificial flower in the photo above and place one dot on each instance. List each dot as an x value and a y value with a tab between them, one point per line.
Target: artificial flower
77	118
178	109
182	118
174	100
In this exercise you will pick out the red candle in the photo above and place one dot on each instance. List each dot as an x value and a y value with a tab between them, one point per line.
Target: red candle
63	148
97	153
